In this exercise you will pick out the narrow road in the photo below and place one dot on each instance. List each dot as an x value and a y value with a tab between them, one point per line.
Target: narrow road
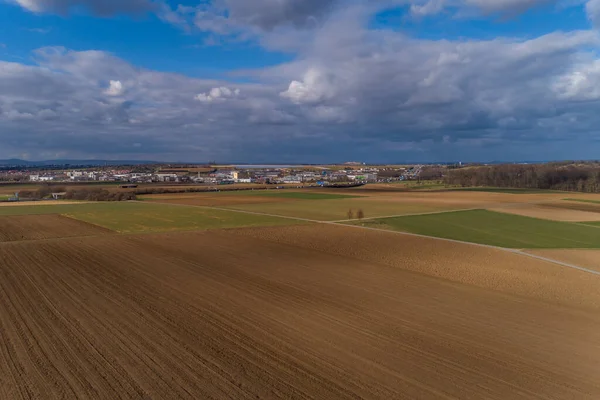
514	251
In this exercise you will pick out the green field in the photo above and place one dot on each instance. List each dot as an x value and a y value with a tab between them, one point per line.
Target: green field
595	224
496	229
333	210
301	195
584	201
40	208
284	194
504	190
133	217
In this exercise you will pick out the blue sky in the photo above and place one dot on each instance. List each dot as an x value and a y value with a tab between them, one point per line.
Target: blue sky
300	80
144	40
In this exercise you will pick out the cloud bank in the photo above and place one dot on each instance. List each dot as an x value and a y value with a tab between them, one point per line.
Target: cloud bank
98	7
371	94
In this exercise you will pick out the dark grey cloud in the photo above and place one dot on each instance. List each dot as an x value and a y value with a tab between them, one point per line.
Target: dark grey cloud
422	8
98	7
228	16
504	6
268	14
351	93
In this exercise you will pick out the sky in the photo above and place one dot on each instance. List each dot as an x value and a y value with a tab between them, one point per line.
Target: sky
311	81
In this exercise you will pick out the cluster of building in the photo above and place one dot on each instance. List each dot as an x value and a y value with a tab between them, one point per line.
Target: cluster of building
208	175
116	175
269	176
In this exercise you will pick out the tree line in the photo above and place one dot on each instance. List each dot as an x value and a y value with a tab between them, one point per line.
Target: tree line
87	194
575	177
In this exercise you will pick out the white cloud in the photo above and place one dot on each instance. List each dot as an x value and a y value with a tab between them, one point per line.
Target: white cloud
115	88
593	11
581	83
218	94
99	7
428	8
42	31
316	86
355	89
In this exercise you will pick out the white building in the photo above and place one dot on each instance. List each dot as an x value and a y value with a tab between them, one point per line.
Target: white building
292	179
166	177
75	174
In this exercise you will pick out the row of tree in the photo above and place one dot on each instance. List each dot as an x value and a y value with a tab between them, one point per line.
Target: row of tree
576	177
87	194
97	194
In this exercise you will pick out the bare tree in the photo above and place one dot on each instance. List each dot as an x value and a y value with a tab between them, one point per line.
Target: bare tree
350	214
567	176
360	214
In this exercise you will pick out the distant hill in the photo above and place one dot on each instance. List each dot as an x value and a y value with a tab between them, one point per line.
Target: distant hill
25	163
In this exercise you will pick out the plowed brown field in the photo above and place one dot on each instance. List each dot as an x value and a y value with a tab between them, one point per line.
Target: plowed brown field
583	258
290	313
31	227
484	267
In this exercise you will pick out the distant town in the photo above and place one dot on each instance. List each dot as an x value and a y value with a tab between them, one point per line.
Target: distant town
574	176
216	175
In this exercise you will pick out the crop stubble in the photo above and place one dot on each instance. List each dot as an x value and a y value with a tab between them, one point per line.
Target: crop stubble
285	312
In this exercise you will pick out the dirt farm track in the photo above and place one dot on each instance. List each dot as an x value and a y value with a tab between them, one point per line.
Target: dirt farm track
310	311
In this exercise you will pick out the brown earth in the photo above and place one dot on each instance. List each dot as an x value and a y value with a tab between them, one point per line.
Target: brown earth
33	227
549	211
290	313
584	258
462	263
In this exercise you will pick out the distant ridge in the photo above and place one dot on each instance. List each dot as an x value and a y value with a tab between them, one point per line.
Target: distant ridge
24	163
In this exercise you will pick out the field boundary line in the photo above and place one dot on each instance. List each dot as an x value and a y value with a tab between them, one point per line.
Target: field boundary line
513	251
506	249
405	215
479	207
232	210
586	223
591	271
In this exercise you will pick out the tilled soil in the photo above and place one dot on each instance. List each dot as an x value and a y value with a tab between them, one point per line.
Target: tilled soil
31	227
260	314
487	268
583	258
